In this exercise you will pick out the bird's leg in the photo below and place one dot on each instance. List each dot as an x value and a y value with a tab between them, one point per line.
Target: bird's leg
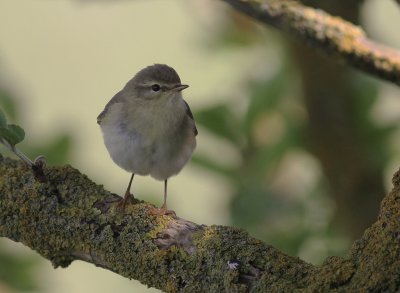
128	198
163	210
128	193
164	206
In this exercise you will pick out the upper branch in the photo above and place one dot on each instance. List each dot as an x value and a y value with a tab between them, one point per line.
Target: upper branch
329	34
69	217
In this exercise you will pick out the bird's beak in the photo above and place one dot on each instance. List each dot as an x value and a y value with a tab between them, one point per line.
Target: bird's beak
179	87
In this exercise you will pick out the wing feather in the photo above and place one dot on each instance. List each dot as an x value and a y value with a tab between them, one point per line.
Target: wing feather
118	98
190	114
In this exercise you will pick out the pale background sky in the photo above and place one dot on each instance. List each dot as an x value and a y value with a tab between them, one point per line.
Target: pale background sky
68	58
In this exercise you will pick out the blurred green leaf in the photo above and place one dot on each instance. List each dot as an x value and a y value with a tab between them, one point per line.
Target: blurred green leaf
13	134
374	138
211	165
252	203
56	151
18	132
267	156
3	120
16	271
221	121
265	95
366	95
264	212
7	102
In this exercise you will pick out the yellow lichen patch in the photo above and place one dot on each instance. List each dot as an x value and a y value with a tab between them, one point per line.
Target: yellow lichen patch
161	223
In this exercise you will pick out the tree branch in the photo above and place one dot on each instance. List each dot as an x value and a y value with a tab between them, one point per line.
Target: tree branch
71	218
331	35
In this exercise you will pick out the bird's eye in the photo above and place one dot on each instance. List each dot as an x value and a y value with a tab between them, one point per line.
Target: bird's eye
155	87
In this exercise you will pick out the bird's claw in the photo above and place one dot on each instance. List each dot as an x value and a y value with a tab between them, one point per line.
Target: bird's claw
127	200
162	211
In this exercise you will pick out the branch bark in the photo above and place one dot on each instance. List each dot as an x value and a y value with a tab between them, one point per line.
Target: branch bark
71	218
329	34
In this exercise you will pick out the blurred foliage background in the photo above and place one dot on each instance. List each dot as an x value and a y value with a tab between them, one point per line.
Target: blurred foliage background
304	147
17	271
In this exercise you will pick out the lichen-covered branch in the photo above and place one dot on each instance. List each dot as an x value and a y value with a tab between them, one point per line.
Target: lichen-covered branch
329	34
69	217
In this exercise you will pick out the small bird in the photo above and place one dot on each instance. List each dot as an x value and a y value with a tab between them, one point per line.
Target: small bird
148	128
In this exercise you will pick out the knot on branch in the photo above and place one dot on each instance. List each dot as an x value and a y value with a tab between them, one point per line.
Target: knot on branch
179	233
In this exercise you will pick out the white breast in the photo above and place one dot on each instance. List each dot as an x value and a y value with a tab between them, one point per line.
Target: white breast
153	138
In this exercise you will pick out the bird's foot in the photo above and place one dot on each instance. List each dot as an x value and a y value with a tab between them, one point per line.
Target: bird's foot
162	211
127	200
